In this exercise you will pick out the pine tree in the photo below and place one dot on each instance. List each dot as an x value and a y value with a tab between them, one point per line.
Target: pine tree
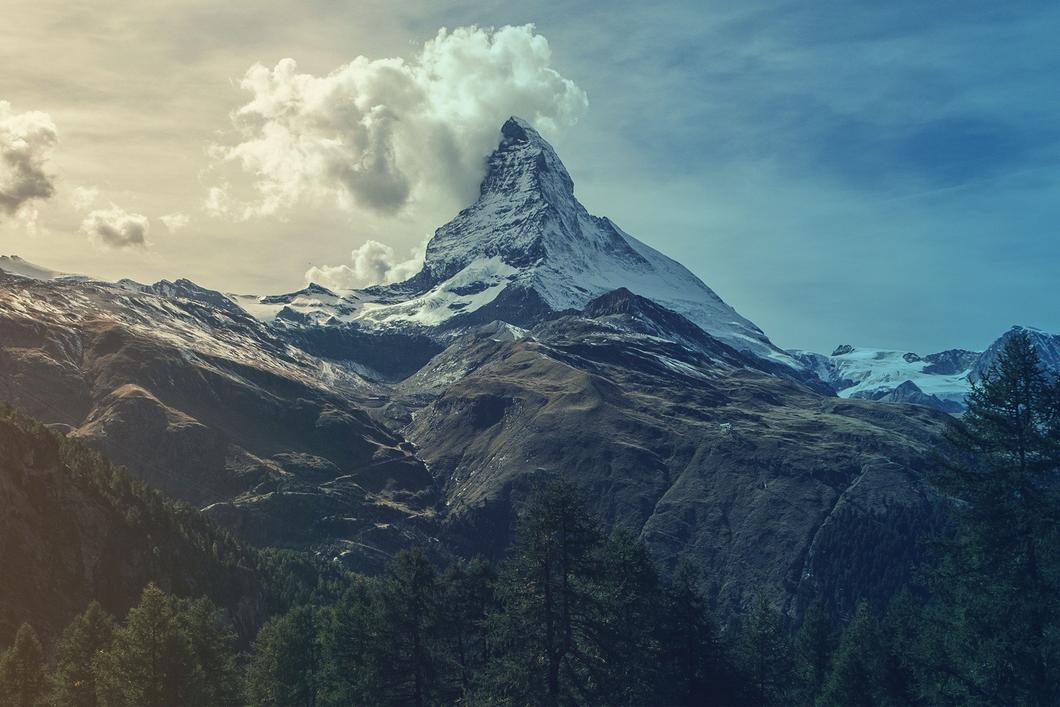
814	645
352	634
694	672
467	597
213	643
284	665
620	642
543	598
410	608
151	661
87	638
902	647
856	671
764	654
22	681
998	580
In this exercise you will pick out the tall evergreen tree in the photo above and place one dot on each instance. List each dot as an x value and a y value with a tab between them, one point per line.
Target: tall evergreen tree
621	642
856	671
765	654
82	644
998	581
352	634
213	643
151	661
22	681
543	597
467	598
901	651
694	672
814	645
284	665
410	609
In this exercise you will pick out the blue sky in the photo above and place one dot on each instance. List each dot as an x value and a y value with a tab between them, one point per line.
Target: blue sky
882	174
878	173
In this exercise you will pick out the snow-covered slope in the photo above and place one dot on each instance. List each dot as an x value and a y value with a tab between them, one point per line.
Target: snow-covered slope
1048	346
875	374
525	248
14	265
203	324
881	374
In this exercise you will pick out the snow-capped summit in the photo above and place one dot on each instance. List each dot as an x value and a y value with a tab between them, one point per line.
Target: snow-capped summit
525	191
1046	344
527	248
939	380
14	265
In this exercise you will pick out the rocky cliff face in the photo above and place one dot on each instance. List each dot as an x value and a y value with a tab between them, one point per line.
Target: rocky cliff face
208	405
1047	346
756	479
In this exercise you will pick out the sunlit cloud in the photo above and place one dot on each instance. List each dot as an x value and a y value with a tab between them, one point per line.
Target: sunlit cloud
26	142
83	197
375	132
116	228
372	263
175	222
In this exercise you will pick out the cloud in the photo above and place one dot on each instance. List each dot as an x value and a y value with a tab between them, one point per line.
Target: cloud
218	202
116	228
26	143
175	221
83	197
374	133
371	264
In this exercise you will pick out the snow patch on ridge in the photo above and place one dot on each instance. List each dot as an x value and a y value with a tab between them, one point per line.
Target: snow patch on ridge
473	287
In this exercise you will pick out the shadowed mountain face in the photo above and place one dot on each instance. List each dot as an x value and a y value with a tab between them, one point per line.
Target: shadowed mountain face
537	342
766	485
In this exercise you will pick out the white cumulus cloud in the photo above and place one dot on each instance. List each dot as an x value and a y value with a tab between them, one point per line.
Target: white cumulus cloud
218	202
373	263
374	132
83	197
175	221
116	228
26	143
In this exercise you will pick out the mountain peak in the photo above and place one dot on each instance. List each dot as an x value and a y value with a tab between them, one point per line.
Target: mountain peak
16	265
527	248
525	166
517	129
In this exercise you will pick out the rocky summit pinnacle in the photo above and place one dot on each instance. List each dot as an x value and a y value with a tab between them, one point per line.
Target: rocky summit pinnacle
527	249
525	163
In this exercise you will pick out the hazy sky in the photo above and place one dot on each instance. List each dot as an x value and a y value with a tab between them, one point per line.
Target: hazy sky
881	174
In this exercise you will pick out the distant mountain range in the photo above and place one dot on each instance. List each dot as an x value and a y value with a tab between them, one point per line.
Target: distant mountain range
940	380
537	342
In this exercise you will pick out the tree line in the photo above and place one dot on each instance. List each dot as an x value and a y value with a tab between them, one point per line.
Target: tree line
576	616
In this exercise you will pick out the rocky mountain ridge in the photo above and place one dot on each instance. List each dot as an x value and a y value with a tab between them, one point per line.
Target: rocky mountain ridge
537	342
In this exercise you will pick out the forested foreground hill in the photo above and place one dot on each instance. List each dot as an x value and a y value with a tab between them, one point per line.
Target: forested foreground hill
75	528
